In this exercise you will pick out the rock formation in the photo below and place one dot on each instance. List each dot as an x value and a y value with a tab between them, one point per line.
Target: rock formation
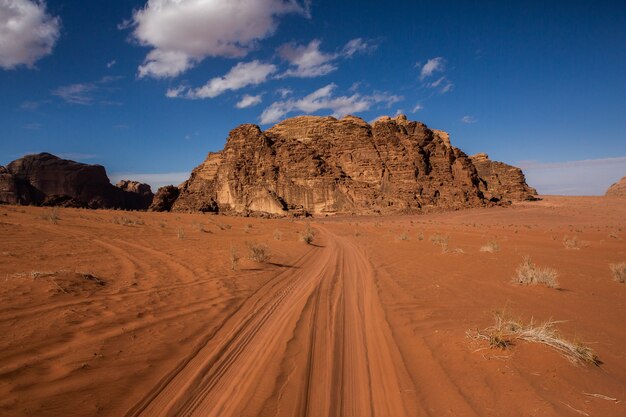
137	196
501	182
44	179
618	189
164	198
322	165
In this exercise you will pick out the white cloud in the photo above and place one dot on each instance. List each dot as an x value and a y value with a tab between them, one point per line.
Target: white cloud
239	76
432	66
154	180
468	119
112	63
307	60
356	46
417	108
248	101
184	32
27	32
85	93
582	177
323	99
284	92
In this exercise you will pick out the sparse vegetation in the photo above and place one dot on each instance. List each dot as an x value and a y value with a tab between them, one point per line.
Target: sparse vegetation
505	332
234	257
308	235
528	273
180	233
571	243
247	228
619	272
126	221
258	252
278	235
441	240
403	236
420	236
491	247
52	216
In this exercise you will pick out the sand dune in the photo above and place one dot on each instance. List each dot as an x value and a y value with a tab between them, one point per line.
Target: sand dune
140	314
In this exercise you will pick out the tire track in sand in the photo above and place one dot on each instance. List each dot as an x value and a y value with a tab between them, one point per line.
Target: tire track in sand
348	363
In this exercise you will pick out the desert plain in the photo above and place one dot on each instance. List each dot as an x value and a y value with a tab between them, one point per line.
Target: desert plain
115	313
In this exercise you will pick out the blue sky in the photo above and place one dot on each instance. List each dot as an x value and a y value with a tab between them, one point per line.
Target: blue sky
147	88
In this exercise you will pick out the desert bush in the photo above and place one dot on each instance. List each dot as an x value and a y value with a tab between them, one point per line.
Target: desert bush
234	257
420	236
278	235
258	252
491	247
619	272
527	273
308	235
180	233
505	332
403	236
247	228
441	240
570	243
52	216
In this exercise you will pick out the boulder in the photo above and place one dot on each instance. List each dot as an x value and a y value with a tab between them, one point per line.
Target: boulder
502	182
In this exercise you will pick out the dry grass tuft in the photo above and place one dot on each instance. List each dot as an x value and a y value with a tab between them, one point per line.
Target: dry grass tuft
403	236
308	235
528	273
420	236
441	240
52	216
180	233
491	247
505	332
258	252
571	243
278	235
234	257
619	272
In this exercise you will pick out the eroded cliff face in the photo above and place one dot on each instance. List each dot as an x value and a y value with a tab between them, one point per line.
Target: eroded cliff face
500	181
321	165
618	189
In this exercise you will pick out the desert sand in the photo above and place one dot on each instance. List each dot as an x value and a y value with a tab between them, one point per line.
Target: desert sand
112	313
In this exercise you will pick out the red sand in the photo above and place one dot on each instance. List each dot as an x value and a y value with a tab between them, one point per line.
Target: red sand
104	318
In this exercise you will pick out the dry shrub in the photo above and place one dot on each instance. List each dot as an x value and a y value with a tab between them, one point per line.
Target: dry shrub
571	243
278	235
491	247
505	332
441	240
52	216
619	272
234	257
528	273
308	235
258	252
180	233
403	236
420	236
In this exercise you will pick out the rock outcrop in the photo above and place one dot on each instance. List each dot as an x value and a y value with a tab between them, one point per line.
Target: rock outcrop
45	179
618	189
502	182
137	195
164	198
322	165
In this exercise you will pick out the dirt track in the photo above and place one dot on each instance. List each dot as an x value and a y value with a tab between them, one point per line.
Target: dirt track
360	324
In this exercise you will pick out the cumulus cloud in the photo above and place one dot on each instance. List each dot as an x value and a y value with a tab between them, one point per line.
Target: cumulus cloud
239	76
184	32
468	119
248	101
323	99
432	66
27	32
284	92
307	60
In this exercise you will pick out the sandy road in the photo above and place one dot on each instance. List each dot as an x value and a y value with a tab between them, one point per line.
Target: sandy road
313	341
